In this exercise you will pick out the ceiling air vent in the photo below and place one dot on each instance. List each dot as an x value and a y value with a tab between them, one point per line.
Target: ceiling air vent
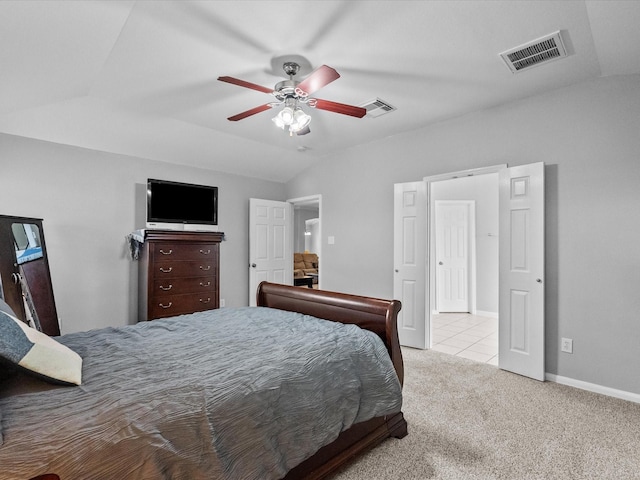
377	107
542	50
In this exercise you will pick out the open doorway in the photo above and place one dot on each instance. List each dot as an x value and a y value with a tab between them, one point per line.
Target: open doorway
521	260
307	244
464	269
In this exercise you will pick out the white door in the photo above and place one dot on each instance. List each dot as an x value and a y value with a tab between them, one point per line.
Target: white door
410	267
270	244
521	291
452	255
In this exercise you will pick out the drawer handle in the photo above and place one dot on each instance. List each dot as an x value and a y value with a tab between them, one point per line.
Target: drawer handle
166	271
208	284
206	301
205	253
166	306
166	288
166	253
208	267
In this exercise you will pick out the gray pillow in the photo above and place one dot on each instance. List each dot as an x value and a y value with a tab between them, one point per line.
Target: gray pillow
37	353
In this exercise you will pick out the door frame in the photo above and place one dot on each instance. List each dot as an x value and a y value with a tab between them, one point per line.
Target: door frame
521	252
431	271
311	200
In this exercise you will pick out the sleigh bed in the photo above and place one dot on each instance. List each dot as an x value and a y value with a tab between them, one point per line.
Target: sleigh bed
267	392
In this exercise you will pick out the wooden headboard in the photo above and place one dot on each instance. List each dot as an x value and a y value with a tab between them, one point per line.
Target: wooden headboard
374	314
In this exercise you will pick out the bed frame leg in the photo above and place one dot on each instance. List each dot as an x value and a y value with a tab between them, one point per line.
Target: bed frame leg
398	426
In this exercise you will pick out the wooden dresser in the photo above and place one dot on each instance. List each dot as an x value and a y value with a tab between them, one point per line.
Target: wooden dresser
178	273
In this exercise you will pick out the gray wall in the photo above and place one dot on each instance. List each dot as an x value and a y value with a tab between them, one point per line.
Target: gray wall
90	201
589	138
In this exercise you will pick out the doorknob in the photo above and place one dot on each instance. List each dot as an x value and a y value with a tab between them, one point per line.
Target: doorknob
253	265
539	280
440	263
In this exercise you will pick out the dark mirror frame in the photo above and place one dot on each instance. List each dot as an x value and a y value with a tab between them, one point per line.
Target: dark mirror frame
33	276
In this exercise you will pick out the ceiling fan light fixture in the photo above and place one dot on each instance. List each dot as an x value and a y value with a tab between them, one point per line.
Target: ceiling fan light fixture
300	120
292	117
278	121
287	115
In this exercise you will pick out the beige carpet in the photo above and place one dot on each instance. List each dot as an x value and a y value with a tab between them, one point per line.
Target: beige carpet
473	421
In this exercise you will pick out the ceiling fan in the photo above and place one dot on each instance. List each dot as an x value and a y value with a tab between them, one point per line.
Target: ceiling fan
292	94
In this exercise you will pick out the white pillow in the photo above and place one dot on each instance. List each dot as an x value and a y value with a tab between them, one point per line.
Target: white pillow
38	353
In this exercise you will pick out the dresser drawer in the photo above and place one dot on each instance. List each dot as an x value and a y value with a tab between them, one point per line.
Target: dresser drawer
179	285
162	251
170	305
183	268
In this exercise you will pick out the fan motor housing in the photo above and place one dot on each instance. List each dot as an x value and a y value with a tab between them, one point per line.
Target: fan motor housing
286	87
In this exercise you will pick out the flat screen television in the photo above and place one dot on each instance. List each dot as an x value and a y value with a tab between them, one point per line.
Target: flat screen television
181	206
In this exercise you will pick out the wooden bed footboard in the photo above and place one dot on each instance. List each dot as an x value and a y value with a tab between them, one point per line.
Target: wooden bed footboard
377	315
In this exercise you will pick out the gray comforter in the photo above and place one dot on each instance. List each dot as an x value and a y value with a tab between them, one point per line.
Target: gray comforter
243	393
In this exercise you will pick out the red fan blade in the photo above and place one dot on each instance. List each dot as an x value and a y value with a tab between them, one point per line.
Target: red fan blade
248	113
242	83
339	108
320	77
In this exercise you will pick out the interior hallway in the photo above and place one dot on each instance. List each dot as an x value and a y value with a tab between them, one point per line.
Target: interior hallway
465	335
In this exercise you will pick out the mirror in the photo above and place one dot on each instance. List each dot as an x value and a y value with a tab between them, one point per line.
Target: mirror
26	237
25	281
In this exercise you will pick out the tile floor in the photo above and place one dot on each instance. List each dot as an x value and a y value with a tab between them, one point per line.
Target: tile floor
466	335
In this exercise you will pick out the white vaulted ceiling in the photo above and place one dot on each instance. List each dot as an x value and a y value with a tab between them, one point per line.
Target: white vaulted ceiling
139	77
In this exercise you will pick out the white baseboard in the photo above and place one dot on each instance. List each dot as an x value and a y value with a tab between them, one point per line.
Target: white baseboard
592	387
481	313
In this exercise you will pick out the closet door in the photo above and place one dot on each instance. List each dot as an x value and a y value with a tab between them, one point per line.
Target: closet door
521	304
409	247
